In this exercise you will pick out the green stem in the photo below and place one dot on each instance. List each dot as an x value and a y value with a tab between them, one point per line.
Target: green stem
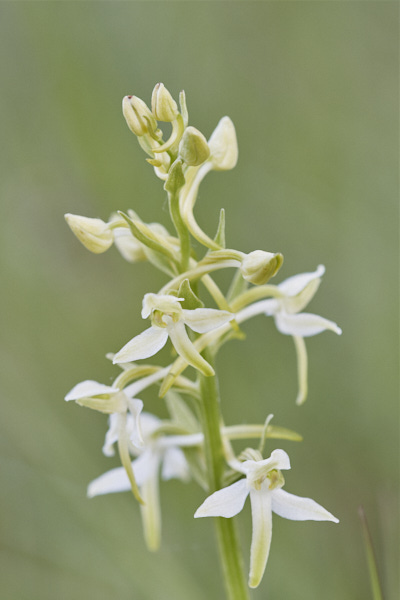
228	542
181	230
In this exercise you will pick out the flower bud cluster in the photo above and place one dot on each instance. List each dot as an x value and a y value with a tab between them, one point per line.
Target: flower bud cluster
185	142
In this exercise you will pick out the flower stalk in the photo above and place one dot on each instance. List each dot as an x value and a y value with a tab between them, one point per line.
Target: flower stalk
228	542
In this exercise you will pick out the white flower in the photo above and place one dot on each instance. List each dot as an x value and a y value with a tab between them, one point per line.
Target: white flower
168	321
157	455
294	295
104	398
124	422
297	292
263	483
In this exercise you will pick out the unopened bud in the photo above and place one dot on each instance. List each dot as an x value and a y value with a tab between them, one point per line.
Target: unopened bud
223	145
193	147
259	266
137	115
94	234
163	105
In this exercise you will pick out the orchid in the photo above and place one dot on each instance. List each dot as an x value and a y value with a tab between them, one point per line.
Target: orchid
168	321
124	419
194	439
157	454
297	292
291	296
263	484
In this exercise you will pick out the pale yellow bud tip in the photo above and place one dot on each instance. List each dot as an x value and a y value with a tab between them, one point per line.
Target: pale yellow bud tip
193	147
94	234
259	266
163	105
137	115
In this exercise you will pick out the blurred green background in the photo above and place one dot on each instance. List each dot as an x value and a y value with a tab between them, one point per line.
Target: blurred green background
312	90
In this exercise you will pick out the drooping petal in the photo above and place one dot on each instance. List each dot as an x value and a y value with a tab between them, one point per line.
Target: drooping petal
151	512
302	369
123	449
112	481
186	349
202	320
175	465
296	284
303	324
297	508
88	388
144	345
262	532
227	502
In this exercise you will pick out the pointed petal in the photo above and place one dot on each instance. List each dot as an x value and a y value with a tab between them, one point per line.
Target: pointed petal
296	508
303	324
202	320
262	532
302	369
186	350
88	388
144	345
112	481
227	502
296	284
175	465
295	304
